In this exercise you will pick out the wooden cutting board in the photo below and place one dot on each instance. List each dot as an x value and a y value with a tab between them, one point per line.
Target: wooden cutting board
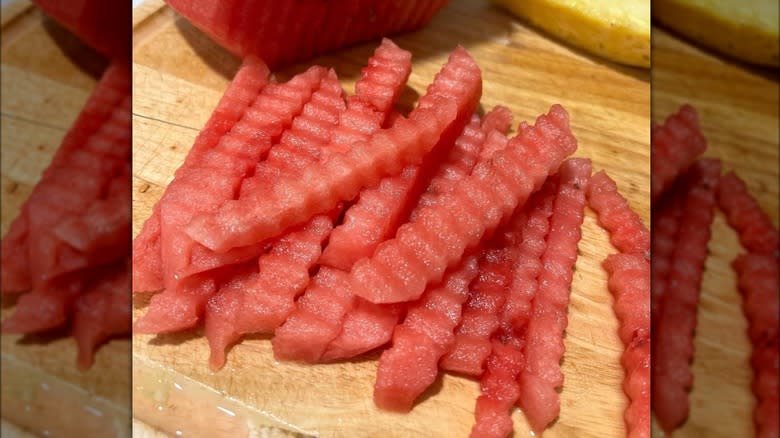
738	110
179	75
47	76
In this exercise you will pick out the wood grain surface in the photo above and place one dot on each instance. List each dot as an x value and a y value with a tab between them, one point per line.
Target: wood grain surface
738	110
179	75
47	76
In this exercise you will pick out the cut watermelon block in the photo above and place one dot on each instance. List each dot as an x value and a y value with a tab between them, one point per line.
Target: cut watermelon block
283	32
626	230
321	187
673	343
676	144
499	392
168	312
544	335
755	228
247	84
493	190
629	281
105	26
102	312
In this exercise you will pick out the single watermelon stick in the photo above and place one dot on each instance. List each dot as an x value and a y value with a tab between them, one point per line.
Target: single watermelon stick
283	273
626	231
335	319
673	343
755	228
190	301
676	144
544	336
757	281
629	281
500	387
666	223
283	32
422	250
379	319
247	84
108	93
322	187
102	312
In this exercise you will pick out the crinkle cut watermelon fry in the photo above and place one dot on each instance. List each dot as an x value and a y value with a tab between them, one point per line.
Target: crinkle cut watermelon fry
380	319
227	165
626	230
673	343
757	281
544	336
391	68
422	250
525	234
320	188
283	32
349	314
675	146
755	228
190	301
666	222
247	84
629	282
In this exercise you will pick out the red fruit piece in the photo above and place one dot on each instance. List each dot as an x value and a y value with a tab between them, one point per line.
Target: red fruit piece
757	281
756	231
544	335
626	231
247	84
322	187
666	222
629	282
675	146
492	191
673	343
283	32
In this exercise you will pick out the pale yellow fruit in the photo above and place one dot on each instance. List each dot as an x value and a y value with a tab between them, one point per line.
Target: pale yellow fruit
746	29
616	30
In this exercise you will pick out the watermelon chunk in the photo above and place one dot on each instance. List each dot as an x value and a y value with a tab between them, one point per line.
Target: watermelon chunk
626	231
666	222
675	146
493	190
544	336
673	343
321	187
284	32
247	84
105	26
755	228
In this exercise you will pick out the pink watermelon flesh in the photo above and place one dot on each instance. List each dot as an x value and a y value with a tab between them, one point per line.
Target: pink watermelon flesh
284	32
671	372
321	187
492	191
755	228
626	231
666	217
629	282
247	84
102	312
104	25
326	99
411	364
458	163
544	335
675	146
499	391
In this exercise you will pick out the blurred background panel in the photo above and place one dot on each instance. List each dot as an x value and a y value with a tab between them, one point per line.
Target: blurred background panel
51	386
721	58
